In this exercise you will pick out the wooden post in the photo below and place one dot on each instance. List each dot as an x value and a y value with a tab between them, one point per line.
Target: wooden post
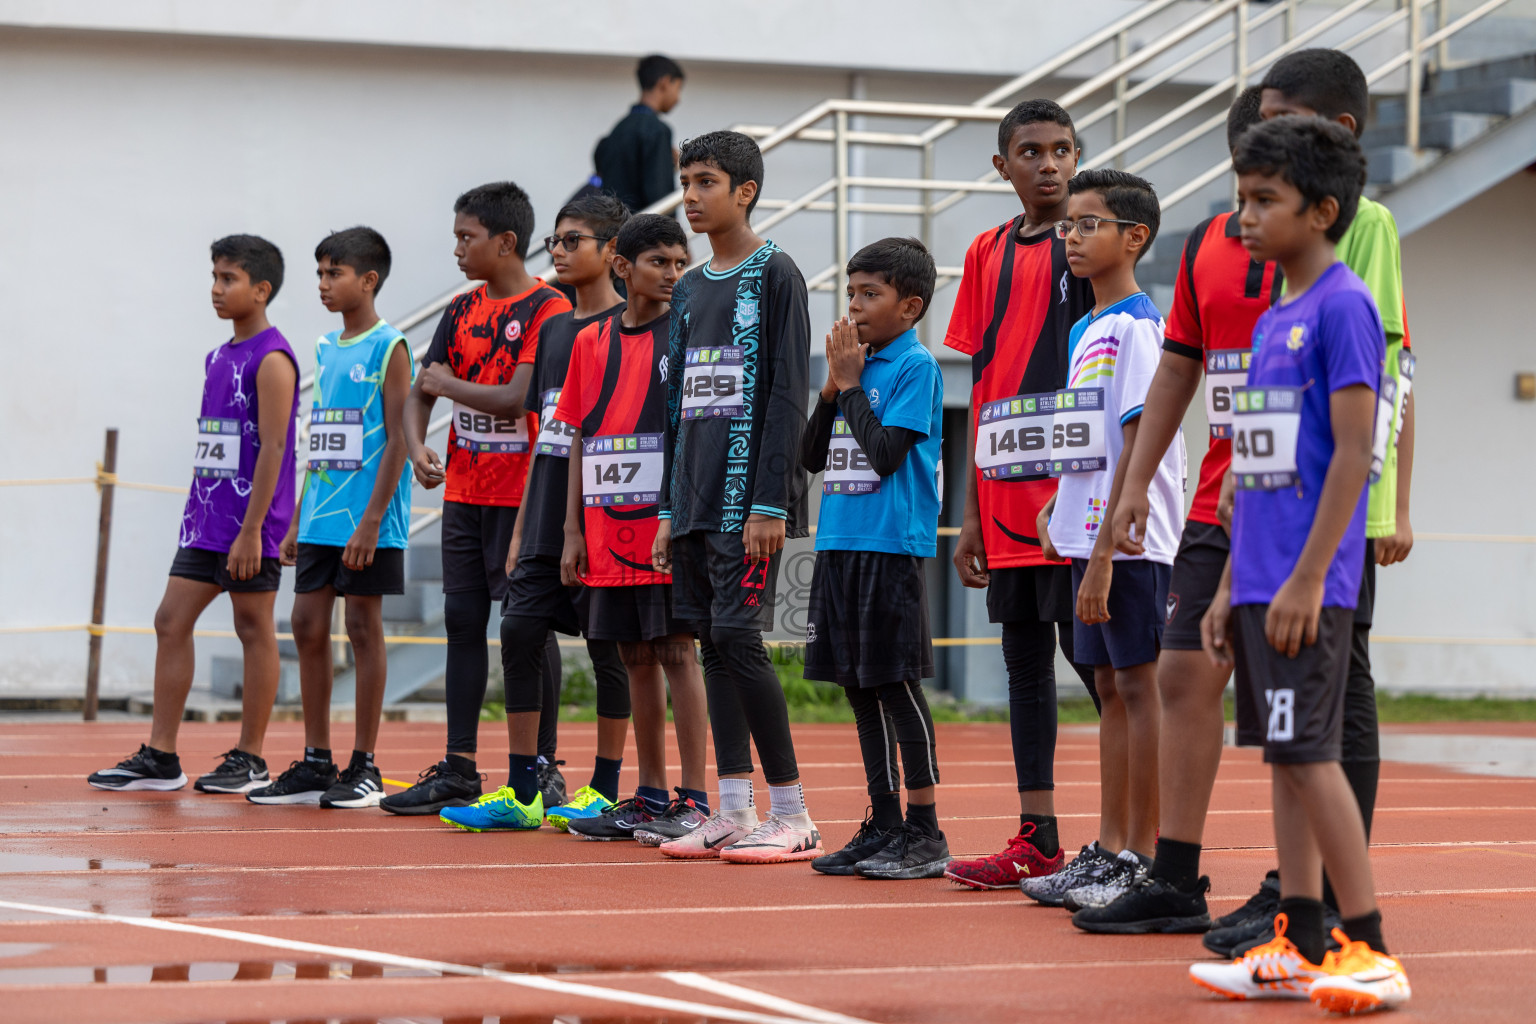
99	598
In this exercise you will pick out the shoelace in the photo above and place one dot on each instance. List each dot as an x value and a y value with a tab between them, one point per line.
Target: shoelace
1352	957
547	769
766	829
140	757
634	803
1275	948
352	774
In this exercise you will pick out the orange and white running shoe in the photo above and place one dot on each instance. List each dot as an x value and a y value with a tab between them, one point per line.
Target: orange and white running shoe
1275	970
776	841
721	830
1357	979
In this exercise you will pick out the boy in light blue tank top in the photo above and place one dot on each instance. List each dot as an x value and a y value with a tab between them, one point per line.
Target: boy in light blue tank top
349	534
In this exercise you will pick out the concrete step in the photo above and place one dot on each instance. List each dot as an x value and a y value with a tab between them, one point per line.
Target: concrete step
1492	72
1500	99
422	602
1442	131
1392	164
424	561
226	679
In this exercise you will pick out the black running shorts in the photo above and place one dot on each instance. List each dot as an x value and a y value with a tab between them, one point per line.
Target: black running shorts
1292	707
320	566
475	543
1030	593
868	619
633	614
213	567
535	592
713	583
1197	570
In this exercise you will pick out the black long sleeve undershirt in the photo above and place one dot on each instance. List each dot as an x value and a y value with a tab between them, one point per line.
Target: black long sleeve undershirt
884	446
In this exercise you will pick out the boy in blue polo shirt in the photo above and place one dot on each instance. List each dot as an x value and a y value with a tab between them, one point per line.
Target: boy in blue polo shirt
875	435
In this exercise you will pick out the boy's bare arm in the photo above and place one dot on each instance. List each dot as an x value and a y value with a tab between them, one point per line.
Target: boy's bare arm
509	400
1394	549
364	542
276	379
970	553
1173	387
1093	593
573	559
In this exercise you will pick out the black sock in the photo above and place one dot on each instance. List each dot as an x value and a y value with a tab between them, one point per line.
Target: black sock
1045	838
1366	929
317	755
1177	863
1363	778
887	810
924	818
605	777
465	766
166	758
1304	926
523	776
362	759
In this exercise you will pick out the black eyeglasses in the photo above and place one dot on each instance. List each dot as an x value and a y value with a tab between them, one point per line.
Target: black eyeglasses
1086	226
571	240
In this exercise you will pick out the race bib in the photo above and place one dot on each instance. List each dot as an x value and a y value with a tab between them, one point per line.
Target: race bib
554	436
1225	369
1265	425
624	469
1405	364
1386	411
1013	437
713	380
217	456
479	431
848	470
1078	441
336	439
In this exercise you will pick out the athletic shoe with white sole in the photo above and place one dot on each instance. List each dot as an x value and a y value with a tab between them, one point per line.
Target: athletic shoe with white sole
587	803
359	785
141	771
1275	970
776	841
239	773
681	817
497	812
1127	870
721	830
1049	890
1357	979
302	783
911	853
1019	860
617	822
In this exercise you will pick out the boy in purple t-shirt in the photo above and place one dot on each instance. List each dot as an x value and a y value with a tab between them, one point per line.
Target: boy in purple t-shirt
1284	612
239	508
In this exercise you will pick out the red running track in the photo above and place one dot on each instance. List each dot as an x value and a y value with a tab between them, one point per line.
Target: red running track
298	914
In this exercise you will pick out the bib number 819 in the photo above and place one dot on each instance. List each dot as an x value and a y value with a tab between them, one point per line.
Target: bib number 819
323	442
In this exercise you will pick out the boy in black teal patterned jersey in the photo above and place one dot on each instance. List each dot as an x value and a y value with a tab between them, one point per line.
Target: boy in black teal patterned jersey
740	369
876	436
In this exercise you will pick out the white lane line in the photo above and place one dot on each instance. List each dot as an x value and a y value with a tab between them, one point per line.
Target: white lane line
742	994
394	960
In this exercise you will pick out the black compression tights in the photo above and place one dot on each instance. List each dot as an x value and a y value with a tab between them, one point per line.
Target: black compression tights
891	716
531	667
746	705
1029	653
465	616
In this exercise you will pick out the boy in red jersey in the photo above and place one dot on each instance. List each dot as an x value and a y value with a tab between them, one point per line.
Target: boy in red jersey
1016	303
486	340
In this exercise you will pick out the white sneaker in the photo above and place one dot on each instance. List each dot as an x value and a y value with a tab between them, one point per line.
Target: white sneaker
776	841
1275	970
721	830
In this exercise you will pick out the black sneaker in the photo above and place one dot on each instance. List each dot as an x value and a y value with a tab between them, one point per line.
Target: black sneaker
551	782
303	783
240	773
438	787
866	842
911	853
617	822
681	817
1151	905
359	786
141	771
1330	922
1252	919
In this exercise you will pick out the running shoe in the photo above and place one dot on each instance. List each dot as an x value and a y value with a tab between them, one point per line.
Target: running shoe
551	782
617	822
681	817
302	783
911	853
1018	861
587	803
1330	923
721	830
1151	905
776	841
438	787
497	812
1049	890
239	773
359	785
866	842
141	771
1127	870
1275	970
1255	919
1357	979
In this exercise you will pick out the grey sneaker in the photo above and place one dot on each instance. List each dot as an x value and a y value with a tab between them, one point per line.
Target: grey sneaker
1125	871
681	817
1087	866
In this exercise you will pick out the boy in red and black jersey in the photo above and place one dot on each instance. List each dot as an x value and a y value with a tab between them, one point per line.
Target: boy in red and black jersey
1016	304
615	402
481	360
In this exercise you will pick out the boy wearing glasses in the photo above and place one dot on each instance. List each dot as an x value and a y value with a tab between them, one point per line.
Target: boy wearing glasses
1119	598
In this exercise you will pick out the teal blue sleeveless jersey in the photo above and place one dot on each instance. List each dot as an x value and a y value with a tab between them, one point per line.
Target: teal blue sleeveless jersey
346	441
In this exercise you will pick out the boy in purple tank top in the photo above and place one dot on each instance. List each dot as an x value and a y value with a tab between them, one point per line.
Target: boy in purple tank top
237	512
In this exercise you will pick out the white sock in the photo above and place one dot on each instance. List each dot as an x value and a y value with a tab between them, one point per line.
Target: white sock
736	794
784	801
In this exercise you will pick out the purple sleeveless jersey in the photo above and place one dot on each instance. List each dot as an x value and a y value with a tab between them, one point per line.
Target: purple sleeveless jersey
221	482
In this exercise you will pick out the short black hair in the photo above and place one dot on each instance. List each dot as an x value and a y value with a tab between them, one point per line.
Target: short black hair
734	153
1327	81
1128	197
904	263
654	68
1243	114
649	231
362	249
500	206
603	212
1031	112
1318	156
259	258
